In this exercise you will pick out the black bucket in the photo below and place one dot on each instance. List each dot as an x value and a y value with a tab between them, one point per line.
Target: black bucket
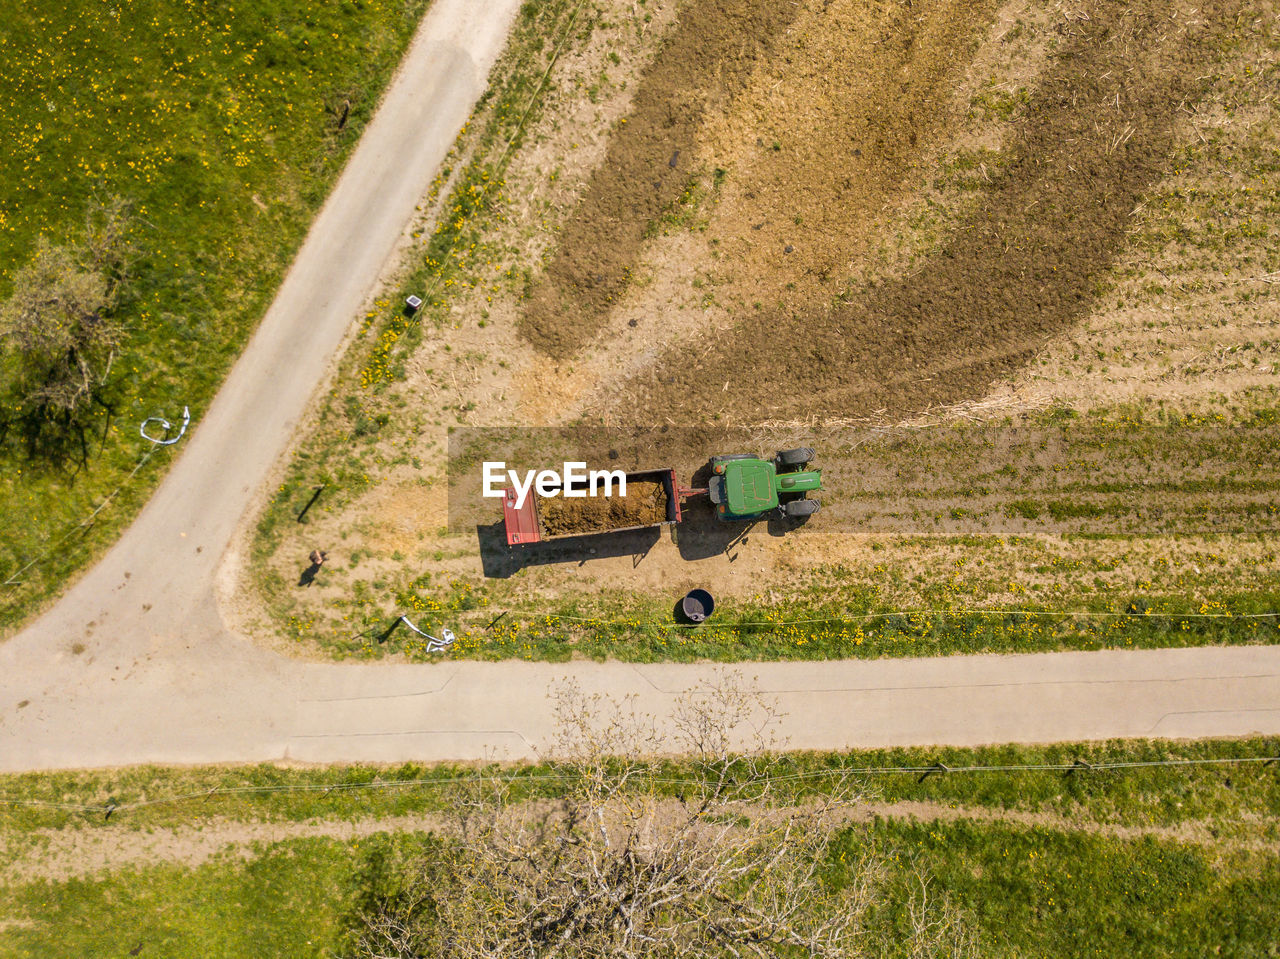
697	605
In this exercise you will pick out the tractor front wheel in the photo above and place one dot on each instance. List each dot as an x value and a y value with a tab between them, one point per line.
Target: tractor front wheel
795	458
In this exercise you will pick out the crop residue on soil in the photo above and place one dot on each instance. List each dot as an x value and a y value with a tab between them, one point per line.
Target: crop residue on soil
644	505
1097	133
710	55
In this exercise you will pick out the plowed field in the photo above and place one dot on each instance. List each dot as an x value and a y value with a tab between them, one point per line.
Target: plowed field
695	74
742	227
861	94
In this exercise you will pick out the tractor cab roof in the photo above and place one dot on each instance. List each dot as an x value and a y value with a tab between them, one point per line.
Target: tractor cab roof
749	486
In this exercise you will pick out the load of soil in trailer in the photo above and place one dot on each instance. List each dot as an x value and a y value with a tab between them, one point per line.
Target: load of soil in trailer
644	505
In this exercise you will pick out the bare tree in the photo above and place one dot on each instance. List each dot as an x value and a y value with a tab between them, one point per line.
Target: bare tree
107	248
631	863
58	335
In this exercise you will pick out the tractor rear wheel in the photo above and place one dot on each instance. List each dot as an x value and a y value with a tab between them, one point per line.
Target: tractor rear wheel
800	507
795	458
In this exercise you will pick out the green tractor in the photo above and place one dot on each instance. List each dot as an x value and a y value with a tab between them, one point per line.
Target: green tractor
745	487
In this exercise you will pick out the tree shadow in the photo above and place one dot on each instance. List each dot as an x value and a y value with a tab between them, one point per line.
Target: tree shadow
56	439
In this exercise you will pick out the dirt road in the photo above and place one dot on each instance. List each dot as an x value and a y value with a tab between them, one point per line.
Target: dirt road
136	665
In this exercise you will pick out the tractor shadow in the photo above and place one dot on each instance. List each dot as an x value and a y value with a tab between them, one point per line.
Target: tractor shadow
701	535
501	561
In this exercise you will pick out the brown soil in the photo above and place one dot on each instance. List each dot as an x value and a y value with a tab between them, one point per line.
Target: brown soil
827	134
705	61
1097	133
644	505
1060	481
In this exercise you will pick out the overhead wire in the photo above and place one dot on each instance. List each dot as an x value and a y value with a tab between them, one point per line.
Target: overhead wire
854	772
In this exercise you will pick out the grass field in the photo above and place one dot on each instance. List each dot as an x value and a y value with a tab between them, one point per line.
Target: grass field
1041	892
224	128
284	901
1158	861
1025	890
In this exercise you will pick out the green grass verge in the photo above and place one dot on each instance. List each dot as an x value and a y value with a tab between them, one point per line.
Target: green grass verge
288	899
1042	892
1226	795
225	127
1025	891
827	619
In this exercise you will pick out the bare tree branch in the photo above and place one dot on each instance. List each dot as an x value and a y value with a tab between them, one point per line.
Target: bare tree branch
616	868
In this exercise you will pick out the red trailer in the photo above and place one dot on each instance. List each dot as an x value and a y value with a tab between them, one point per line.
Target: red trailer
525	525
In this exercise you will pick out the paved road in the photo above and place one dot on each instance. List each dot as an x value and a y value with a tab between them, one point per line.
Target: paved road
161	679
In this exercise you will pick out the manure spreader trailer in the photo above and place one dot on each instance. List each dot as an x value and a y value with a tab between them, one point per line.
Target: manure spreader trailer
741	486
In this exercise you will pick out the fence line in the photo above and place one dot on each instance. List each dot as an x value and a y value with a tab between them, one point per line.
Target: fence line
960	611
938	768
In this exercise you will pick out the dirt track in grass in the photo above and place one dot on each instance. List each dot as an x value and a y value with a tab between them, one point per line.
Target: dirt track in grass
1096	133
61	854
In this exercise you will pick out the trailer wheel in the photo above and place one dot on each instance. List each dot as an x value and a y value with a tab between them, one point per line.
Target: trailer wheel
795	458
800	507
